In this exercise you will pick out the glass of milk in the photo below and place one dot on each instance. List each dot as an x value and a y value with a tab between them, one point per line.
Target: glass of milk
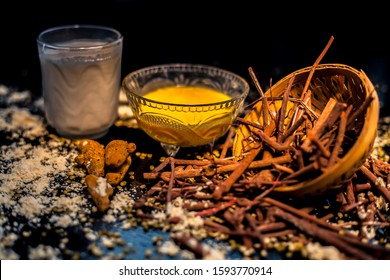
81	75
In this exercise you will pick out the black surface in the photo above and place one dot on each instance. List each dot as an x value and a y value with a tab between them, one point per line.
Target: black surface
273	37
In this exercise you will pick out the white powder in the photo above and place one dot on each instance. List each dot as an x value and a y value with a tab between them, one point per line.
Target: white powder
188	220
169	248
33	167
121	202
3	90
16	96
21	119
36	192
319	252
30	206
43	252
102	186
73	203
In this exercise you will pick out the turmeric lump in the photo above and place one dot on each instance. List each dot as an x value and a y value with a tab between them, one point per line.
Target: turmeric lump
106	167
92	156
116	153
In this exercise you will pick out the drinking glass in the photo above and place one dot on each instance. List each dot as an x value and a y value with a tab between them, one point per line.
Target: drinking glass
81	76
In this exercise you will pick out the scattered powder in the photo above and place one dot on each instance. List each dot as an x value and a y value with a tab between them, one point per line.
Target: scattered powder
102	186
3	90
215	253
169	248
71	203
109	218
42	252
121	202
64	220
91	236
30	207
108	242
10	239
22	121
318	252
188	219
16	97
41	187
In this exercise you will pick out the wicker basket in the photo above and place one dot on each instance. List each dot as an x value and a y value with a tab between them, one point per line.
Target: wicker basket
337	81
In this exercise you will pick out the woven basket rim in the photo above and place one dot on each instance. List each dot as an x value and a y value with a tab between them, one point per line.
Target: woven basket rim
358	152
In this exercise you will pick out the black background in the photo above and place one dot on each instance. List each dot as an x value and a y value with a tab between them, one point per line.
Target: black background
274	38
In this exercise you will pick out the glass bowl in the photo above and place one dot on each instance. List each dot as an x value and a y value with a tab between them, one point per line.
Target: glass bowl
185	105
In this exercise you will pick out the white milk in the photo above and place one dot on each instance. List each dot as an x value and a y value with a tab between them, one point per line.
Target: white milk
81	90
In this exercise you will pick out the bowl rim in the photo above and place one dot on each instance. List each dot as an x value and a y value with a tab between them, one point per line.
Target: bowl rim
239	78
